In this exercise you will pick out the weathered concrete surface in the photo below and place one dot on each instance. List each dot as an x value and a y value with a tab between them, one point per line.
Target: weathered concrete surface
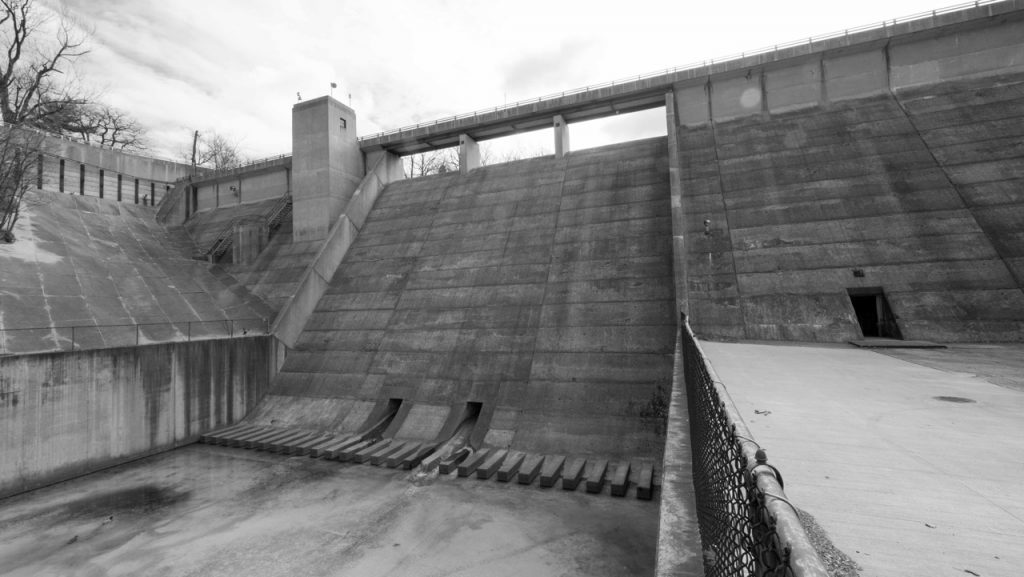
115	172
891	165
904	482
274	276
541	288
262	181
66	414
81	261
204	226
327	164
858	186
308	287
679	550
221	512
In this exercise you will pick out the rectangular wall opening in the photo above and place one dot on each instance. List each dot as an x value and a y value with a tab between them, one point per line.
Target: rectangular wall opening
874	315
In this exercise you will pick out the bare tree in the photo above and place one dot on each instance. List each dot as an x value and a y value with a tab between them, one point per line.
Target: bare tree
489	155
216	151
19	151
432	162
35	88
447	159
107	127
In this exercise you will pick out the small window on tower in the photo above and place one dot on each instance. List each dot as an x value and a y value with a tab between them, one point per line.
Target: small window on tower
344	123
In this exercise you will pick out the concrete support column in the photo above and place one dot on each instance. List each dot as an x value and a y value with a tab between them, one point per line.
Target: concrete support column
561	136
469	154
327	165
390	168
250	238
679	246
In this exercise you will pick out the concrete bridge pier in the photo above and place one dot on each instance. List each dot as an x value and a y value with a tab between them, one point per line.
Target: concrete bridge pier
561	136
469	154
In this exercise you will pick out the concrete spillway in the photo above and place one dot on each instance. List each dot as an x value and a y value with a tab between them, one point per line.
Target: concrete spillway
105	267
541	289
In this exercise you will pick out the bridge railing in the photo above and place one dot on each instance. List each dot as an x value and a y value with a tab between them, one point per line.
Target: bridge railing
691	66
748	526
88	337
209	173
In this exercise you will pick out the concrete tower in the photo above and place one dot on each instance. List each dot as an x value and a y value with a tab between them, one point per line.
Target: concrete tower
327	165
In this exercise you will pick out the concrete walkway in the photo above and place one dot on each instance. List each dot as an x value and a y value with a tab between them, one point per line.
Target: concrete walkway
905	482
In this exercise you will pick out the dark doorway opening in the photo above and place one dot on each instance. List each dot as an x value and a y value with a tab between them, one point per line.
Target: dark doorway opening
873	313
473	409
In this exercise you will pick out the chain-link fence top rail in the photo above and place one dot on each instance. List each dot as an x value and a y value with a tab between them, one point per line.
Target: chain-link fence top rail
747	525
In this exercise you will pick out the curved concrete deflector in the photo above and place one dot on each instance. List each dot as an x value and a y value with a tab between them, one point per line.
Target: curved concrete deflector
482	425
384	415
454	438
397	421
461	416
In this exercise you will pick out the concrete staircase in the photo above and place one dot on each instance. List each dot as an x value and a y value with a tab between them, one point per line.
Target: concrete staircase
276	215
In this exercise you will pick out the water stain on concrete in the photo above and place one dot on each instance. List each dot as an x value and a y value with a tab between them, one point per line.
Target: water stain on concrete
140	500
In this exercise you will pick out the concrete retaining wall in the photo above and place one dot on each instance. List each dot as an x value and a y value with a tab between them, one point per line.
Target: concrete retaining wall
890	164
63	415
112	174
242	188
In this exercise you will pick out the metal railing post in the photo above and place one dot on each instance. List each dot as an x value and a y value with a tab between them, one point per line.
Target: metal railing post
136	334
72	337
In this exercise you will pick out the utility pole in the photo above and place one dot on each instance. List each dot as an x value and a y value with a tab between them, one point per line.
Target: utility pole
195	142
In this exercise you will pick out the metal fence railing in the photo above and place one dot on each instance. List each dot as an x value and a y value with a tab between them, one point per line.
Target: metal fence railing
747	525
87	337
210	173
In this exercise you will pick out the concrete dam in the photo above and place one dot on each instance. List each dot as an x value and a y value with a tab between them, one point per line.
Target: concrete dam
540	290
525	322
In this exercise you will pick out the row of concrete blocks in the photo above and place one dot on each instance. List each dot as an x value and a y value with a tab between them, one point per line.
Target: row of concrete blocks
504	464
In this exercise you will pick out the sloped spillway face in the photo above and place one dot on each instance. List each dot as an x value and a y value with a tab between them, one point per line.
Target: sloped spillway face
541	289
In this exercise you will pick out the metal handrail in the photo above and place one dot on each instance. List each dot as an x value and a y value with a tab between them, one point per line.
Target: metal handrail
691	66
748	525
76	330
207	173
218	247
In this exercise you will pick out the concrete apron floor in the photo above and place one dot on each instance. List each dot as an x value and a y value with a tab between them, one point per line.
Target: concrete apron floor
212	511
904	482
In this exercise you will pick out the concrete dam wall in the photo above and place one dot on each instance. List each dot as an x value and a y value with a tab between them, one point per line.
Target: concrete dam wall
541	290
889	171
67	414
111	271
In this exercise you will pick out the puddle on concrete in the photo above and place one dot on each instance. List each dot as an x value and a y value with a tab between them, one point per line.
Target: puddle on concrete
143	499
954	399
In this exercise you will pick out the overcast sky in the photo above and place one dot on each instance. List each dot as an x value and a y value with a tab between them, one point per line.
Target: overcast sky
235	66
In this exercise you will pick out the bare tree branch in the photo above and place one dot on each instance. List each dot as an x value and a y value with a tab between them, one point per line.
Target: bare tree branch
216	151
19	152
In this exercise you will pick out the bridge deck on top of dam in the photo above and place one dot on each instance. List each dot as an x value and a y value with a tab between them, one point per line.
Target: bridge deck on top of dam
649	91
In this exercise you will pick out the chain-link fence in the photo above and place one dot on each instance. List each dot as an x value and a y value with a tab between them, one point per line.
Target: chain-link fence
747	525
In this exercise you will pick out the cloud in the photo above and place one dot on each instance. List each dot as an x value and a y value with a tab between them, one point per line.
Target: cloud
235	65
